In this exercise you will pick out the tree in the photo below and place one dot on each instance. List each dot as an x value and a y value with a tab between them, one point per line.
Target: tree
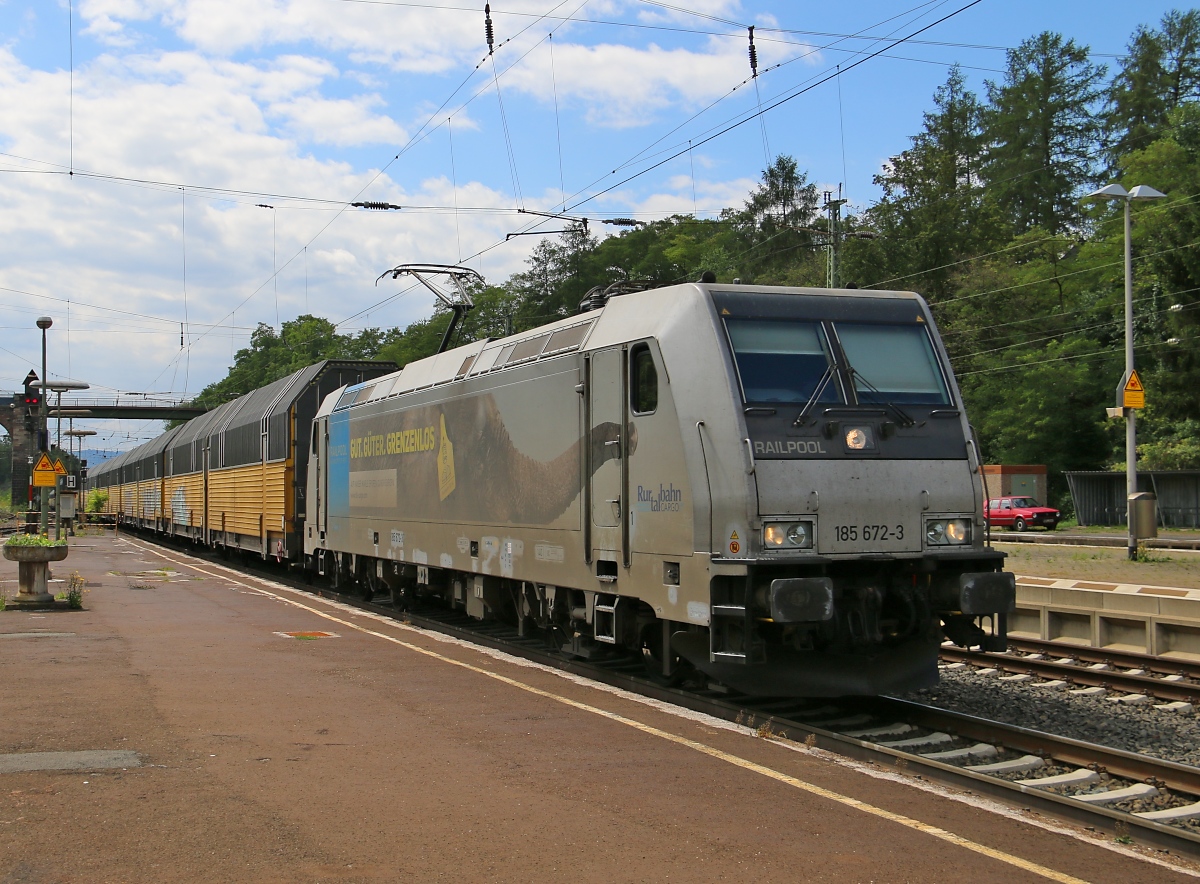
932	213
556	280
1137	107
1042	133
492	317
300	342
1167	265
774	223
1181	43
1042	407
1161	71
1177	447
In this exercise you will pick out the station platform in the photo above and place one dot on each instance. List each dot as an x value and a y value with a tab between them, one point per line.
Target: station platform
193	723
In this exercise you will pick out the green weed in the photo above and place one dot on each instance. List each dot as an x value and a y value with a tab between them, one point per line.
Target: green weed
76	587
1143	554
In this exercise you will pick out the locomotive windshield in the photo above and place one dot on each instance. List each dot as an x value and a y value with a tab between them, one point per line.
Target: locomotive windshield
781	360
892	363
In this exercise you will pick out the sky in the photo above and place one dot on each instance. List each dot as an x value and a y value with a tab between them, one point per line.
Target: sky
183	170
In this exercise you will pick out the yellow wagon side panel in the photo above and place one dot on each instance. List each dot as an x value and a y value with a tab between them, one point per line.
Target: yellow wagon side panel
112	506
149	500
184	500
248	500
129	499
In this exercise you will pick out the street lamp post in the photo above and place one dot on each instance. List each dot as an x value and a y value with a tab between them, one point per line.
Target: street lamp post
44	322
1117	192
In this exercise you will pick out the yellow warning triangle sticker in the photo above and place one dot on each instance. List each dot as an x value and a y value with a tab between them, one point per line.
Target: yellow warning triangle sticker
44	465
1134	384
59	468
724	312
733	536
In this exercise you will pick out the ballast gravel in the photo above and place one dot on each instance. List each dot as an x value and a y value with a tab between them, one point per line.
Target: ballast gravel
1173	736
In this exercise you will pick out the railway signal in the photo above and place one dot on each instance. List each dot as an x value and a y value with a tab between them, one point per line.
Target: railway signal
33	394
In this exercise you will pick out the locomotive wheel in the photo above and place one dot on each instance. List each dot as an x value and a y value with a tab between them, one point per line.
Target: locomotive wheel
1019	524
651	646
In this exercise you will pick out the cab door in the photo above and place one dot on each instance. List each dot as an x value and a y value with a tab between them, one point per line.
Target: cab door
316	469
607	455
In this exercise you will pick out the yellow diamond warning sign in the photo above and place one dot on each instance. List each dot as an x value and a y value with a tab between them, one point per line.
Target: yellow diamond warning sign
1133	394
43	472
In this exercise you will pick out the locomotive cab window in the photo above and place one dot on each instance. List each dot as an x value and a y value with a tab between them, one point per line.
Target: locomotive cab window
314	437
643	381
783	361
893	363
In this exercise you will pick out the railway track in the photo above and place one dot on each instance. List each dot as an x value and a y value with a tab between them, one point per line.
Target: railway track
1116	793
1063	667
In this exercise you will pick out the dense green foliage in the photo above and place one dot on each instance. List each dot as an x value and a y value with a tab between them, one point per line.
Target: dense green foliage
273	355
97	498
983	213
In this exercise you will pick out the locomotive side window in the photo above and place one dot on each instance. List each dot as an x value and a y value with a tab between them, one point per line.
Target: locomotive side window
643	381
783	360
893	363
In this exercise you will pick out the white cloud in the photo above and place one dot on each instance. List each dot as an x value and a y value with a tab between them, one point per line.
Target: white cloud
421	39
341	122
182	117
711	196
219	114
618	83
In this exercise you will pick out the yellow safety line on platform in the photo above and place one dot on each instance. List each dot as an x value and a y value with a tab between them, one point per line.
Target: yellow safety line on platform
778	776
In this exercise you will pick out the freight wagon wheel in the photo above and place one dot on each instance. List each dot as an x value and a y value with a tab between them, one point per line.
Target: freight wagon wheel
1019	524
652	657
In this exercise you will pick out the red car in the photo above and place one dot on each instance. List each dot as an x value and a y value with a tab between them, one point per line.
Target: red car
1019	513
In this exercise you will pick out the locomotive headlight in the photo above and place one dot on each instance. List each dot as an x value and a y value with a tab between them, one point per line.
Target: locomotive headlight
859	439
787	535
958	531
799	535
947	532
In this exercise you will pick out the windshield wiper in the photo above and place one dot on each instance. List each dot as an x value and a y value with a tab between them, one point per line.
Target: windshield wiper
901	415
821	385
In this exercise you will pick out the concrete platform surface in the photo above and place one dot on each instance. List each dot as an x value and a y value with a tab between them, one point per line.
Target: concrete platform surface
379	752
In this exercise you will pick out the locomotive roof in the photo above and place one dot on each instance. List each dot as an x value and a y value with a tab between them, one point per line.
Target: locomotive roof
624	318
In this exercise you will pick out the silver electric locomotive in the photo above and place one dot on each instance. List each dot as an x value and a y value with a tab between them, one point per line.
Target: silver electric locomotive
775	487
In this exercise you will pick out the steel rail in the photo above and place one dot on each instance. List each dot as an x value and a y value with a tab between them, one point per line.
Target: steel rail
1111	679
1118	762
1129	659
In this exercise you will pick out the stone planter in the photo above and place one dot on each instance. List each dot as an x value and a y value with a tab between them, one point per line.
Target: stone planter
33	565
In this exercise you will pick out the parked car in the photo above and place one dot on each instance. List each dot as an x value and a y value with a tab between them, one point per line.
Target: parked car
1019	513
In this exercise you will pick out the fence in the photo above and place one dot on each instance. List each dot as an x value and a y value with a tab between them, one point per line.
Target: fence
1099	496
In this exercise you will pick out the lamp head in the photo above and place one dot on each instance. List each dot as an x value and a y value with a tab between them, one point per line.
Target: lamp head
1111	192
1145	192
44	322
